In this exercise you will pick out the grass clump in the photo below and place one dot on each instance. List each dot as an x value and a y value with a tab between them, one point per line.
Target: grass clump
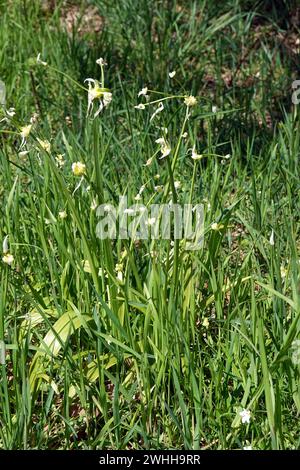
122	344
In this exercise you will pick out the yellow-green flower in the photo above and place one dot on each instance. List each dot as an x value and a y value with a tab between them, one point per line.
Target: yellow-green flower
164	147
45	144
215	226
78	169
8	259
62	215
97	92
190	101
24	133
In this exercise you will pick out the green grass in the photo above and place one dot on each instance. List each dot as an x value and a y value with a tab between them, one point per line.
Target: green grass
96	360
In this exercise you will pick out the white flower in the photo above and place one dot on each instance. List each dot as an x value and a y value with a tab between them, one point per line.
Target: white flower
164	147
119	270
159	109
86	266
11	112
101	62
159	188
8	259
283	271
227	156
247	448
271	241
177	184
62	215
23	153
172	74
78	168
34	118
138	197
107	98
97	92
215	226
140	106
195	155
190	101
143	92
39	61
214	109
94	205
245	416
24	133
205	322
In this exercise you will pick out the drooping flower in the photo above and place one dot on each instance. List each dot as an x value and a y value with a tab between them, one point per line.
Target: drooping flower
215	226
97	92
172	74
143	91
101	62
205	322
11	112
272	241
24	133
34	118
195	155
40	61
164	147
245	416
140	106
94	205
158	110
78	169
190	101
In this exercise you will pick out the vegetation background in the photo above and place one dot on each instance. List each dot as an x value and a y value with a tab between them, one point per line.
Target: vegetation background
122	345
